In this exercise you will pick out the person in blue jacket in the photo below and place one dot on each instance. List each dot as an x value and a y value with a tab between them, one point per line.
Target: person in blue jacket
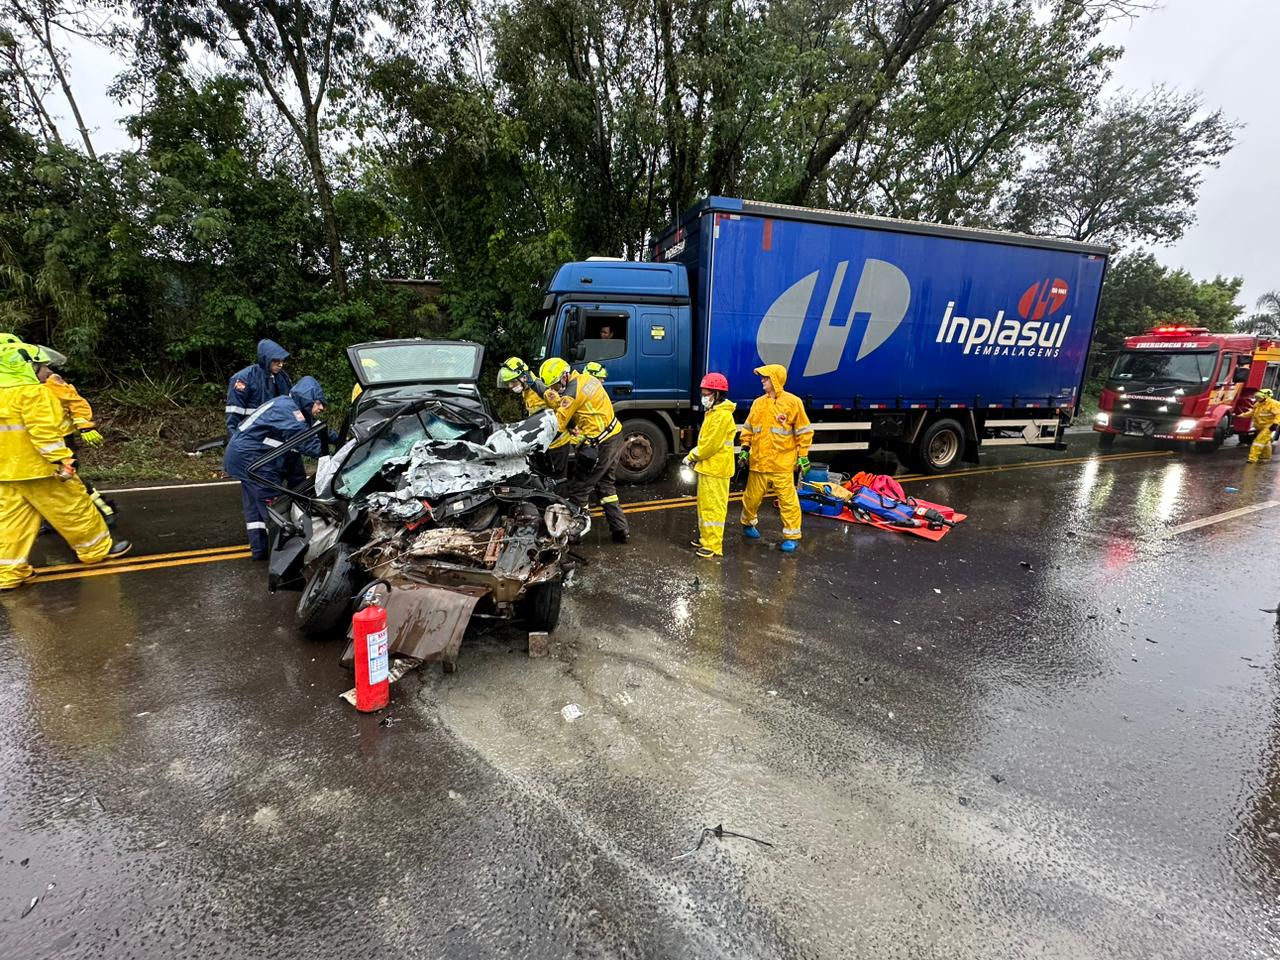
250	388
271	425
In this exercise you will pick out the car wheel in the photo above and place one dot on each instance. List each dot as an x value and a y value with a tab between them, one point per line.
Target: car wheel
1220	435
1106	440
940	446
645	448
540	608
326	599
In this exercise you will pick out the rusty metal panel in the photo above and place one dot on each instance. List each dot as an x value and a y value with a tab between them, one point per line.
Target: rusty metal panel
426	621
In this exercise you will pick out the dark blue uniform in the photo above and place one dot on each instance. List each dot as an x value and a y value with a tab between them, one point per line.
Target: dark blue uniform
250	388
271	425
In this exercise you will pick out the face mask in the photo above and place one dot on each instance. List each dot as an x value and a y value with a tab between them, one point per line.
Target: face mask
707	401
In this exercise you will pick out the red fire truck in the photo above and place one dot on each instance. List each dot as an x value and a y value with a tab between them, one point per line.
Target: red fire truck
1186	384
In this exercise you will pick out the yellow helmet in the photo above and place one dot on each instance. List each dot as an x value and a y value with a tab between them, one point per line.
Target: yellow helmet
512	369
1264	394
552	370
596	370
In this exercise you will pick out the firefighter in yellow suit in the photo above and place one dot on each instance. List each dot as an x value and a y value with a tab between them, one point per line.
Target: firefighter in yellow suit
35	467
513	375
712	460
775	440
1265	412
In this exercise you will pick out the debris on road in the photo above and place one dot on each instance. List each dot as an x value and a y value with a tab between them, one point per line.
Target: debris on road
539	644
997	778
30	906
1025	564
571	712
719	832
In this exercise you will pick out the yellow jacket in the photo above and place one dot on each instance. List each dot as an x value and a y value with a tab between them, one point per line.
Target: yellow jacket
532	404
30	432
777	430
585	406
1265	413
76	412
713	455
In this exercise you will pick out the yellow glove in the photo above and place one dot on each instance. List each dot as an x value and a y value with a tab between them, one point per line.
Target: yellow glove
92	437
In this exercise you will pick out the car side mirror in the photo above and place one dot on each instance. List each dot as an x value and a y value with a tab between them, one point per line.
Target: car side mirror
1241	375
572	331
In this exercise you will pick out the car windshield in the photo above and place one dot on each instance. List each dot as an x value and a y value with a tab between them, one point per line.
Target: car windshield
1150	366
411	362
396	440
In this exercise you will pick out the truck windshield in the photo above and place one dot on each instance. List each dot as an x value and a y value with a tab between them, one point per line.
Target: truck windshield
544	337
1161	367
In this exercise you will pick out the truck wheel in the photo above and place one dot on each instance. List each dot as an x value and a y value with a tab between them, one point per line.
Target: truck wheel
645	448
326	599
1106	440
540	607
1220	435
940	446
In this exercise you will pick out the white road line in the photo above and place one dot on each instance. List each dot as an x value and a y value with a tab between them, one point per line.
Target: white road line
1219	517
174	486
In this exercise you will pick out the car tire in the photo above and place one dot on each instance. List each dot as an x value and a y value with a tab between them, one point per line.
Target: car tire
939	447
1220	434
1106	440
540	608
327	597
645	448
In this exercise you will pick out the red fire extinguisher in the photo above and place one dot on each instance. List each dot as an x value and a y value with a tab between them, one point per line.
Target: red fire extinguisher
373	681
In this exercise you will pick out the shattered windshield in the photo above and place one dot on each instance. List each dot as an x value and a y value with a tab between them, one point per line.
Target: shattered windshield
416	362
366	460
1152	367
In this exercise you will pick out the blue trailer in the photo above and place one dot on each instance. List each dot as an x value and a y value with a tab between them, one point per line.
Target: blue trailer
932	341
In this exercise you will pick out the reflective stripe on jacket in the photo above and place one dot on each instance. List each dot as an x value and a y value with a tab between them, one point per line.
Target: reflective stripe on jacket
30	432
777	430
713	456
1266	413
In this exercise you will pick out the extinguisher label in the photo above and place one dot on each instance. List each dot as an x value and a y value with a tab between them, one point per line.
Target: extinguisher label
378	671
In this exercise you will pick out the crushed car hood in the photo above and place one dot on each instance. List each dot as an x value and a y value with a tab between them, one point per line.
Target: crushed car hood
435	469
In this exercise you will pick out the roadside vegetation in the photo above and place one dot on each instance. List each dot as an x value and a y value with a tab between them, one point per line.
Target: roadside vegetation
285	161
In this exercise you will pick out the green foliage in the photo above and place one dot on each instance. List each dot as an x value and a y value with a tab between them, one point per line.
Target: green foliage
1266	322
1139	294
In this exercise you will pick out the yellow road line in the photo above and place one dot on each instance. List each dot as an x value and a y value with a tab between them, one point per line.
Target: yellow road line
148	557
100	571
184	558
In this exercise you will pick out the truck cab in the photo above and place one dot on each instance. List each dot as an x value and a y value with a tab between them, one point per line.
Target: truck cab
1184	384
634	318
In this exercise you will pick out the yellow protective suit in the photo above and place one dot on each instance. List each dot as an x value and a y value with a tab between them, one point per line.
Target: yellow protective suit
713	462
76	412
31	443
777	433
1265	413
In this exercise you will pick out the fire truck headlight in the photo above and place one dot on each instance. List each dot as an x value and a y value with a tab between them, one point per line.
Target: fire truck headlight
1103	419
1185	426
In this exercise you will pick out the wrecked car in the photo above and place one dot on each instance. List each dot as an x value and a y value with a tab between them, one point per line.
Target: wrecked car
429	500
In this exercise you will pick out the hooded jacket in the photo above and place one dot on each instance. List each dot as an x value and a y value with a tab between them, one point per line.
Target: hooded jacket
253	386
713	456
1265	413
777	430
272	425
31	440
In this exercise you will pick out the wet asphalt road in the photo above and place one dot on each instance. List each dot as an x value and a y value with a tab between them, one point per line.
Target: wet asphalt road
1055	734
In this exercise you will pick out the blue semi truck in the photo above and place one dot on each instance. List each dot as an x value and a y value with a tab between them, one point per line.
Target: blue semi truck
931	341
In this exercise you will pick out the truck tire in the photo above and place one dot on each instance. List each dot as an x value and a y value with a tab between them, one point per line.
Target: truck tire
540	608
1220	434
326	599
1106	440
645	449
939	446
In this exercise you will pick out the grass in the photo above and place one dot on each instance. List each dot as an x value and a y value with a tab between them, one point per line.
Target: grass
151	446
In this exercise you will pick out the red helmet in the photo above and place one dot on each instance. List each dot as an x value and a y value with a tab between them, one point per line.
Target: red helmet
714	381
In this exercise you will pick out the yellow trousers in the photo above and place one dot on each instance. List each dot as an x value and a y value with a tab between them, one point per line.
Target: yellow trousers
66	506
782	486
713	507
1260	449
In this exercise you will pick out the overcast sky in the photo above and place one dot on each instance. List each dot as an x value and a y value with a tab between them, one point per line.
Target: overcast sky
1226	49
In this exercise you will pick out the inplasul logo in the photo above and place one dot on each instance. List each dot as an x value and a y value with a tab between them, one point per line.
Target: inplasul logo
882	296
1033	336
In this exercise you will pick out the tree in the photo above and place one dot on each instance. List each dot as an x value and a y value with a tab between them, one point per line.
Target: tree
1140	293
300	51
1266	322
1131	174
